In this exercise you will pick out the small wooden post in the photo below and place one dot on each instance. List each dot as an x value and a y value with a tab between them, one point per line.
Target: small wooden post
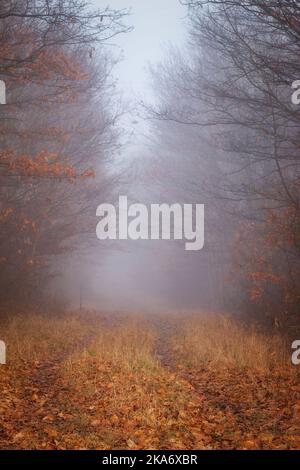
80	298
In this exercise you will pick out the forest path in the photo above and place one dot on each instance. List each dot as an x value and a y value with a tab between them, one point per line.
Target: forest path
234	407
41	400
126	396
166	329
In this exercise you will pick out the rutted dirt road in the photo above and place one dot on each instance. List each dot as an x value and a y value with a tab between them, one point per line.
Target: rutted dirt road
126	383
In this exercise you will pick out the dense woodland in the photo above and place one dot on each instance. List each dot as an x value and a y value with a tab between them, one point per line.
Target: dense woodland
58	129
224	103
222	129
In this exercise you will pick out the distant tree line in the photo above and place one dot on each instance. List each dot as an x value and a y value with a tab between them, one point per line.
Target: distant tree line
57	130
227	98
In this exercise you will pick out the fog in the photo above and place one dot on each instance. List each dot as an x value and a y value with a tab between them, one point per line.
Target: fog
150	225
150	275
167	102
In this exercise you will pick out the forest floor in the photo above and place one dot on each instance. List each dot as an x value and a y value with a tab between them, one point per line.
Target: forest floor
95	381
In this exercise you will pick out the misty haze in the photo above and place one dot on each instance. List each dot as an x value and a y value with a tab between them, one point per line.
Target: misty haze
150	225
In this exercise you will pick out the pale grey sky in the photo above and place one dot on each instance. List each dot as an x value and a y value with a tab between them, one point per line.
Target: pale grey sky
156	23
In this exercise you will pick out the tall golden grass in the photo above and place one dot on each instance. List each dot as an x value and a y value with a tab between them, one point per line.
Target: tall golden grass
137	402
128	346
33	336
130	340
224	341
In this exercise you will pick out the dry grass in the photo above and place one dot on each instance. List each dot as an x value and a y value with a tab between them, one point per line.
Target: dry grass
37	337
223	341
133	382
130	400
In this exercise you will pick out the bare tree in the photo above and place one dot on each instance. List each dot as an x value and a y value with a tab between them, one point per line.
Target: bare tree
57	132
234	84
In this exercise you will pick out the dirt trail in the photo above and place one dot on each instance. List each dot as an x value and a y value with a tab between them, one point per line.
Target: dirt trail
196	405
237	408
41	398
166	329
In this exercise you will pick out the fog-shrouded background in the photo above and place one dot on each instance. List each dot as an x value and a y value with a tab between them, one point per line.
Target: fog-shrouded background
147	275
174	101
